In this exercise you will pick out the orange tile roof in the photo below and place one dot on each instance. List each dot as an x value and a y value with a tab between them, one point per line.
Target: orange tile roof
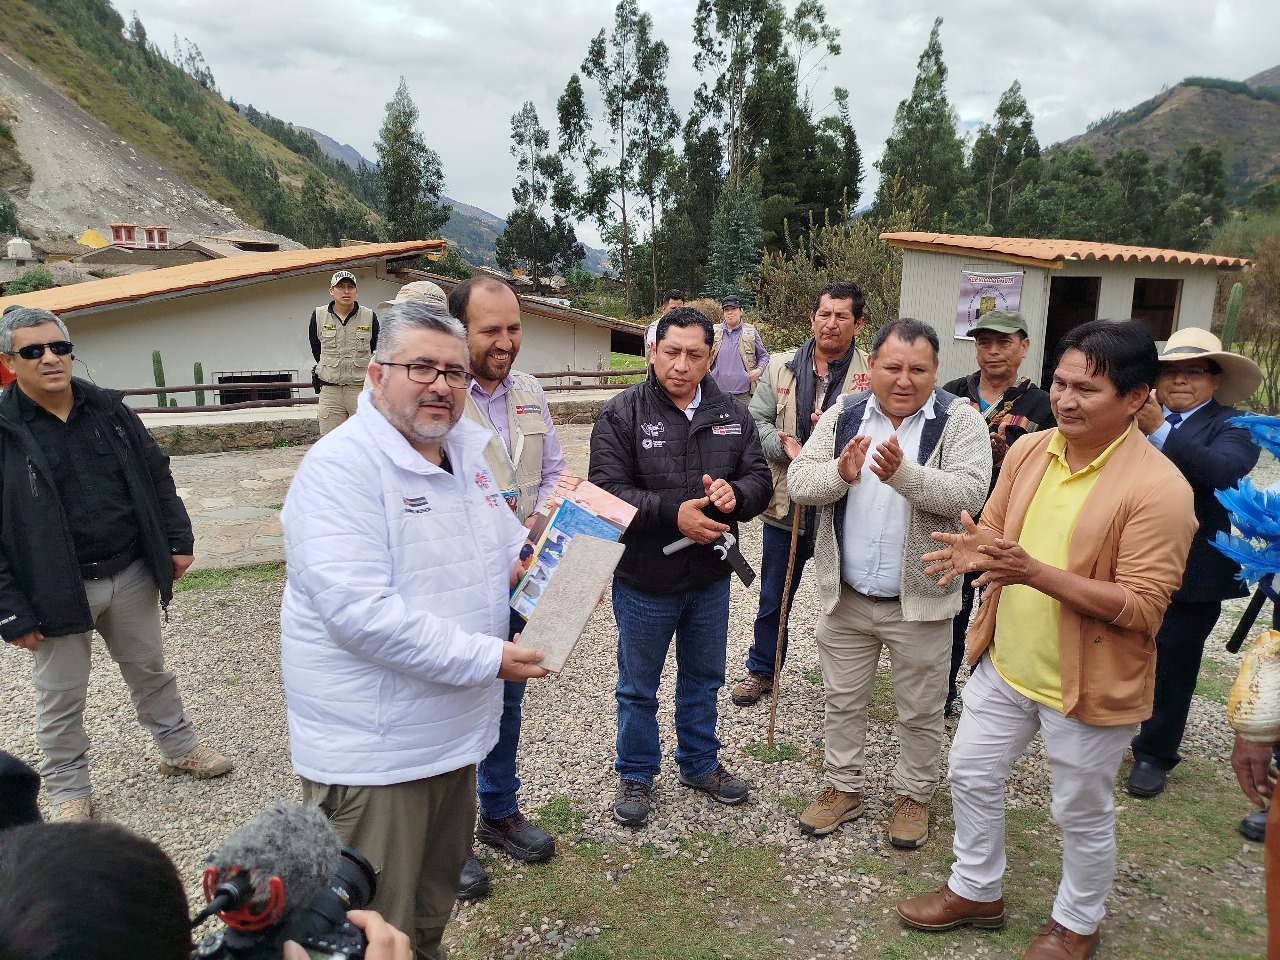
1053	253
212	274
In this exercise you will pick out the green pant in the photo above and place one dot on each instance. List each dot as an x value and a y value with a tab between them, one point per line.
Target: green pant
417	836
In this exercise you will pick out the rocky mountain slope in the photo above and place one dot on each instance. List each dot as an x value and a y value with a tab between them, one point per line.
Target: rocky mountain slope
1243	117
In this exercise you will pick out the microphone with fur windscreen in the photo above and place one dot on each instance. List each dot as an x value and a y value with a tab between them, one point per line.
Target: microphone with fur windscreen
265	869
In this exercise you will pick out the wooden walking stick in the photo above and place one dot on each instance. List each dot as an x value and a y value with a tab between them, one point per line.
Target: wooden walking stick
782	615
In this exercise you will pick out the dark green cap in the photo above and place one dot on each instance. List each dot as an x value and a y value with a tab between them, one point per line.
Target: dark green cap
1000	321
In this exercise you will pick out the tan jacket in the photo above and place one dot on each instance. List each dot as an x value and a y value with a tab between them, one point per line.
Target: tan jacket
521	471
1135	530
344	347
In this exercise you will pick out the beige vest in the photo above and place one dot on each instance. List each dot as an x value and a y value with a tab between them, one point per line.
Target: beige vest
519	472
784	392
746	344
344	347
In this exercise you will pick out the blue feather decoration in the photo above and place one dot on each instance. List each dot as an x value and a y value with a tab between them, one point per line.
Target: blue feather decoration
1255	513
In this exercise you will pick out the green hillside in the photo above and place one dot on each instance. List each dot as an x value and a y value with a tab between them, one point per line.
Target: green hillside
1244	118
176	116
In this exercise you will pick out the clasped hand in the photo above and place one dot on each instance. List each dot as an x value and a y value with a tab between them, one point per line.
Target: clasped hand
695	524
1002	561
885	461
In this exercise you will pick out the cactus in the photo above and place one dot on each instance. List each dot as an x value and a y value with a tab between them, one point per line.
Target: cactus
1233	312
173	401
199	378
157	368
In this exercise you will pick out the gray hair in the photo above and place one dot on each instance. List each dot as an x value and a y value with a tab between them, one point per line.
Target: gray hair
22	317
405	316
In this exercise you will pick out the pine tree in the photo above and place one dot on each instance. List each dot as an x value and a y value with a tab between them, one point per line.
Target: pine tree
924	148
409	174
734	246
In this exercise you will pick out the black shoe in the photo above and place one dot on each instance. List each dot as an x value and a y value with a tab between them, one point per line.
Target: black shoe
1146	780
1254	826
631	805
721	784
516	835
474	882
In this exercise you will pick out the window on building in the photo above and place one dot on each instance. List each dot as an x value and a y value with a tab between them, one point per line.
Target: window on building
1155	303
252	391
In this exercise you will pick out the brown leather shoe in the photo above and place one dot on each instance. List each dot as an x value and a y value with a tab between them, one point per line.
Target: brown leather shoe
946	910
1056	942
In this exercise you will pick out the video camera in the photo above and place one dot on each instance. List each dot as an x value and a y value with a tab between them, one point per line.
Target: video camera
284	876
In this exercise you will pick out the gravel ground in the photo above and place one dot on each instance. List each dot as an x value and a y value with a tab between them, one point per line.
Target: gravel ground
223	643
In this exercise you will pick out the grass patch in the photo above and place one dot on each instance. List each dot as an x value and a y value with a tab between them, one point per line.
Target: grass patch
648	907
883	707
813	675
1215	680
778	753
560	816
220	578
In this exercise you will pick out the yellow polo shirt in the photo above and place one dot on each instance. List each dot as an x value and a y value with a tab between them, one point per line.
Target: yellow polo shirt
1025	648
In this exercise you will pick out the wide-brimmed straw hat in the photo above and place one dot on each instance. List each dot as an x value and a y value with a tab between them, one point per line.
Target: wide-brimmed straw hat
1240	375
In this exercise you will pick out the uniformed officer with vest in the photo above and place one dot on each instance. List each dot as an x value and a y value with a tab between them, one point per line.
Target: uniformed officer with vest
343	337
740	356
526	459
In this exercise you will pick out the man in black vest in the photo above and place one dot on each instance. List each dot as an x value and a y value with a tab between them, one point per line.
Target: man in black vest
94	535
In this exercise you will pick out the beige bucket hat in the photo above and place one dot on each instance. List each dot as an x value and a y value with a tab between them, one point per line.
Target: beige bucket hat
1240	375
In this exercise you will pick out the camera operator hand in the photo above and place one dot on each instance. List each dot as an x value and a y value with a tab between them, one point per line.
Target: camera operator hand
385	941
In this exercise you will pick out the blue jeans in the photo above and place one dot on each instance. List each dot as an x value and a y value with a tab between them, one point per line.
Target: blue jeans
699	619
496	780
773	576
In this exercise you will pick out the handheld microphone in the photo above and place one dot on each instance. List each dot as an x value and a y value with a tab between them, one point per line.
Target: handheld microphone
277	861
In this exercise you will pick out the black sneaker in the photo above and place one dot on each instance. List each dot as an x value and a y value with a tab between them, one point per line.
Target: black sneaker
474	882
721	784
516	835
631	805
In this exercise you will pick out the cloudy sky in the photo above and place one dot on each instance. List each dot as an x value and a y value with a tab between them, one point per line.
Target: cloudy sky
470	64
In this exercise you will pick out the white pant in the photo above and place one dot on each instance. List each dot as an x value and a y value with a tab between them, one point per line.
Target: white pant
995	727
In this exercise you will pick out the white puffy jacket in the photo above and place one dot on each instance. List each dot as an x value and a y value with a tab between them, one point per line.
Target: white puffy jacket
395	608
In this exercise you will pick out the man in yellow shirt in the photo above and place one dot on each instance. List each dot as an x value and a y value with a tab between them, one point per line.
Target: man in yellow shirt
1081	545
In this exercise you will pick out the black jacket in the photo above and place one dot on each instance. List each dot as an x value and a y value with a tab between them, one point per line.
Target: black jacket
1212	455
644	450
40	583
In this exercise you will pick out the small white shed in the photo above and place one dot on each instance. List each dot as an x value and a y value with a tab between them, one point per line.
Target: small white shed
949	280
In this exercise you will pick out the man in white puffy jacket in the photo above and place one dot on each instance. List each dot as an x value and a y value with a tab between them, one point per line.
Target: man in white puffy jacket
400	550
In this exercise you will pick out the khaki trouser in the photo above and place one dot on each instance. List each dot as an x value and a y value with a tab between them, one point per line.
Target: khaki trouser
337	405
417	836
849	642
126	611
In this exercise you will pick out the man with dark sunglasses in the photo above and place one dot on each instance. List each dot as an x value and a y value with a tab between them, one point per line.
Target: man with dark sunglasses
94	535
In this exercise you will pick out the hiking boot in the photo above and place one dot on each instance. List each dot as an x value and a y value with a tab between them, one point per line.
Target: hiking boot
474	882
909	825
748	691
72	811
720	783
199	762
632	803
829	809
516	835
946	910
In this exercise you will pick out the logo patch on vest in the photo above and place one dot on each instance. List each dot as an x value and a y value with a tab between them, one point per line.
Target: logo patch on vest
522	408
416	505
727	429
859	382
652	431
